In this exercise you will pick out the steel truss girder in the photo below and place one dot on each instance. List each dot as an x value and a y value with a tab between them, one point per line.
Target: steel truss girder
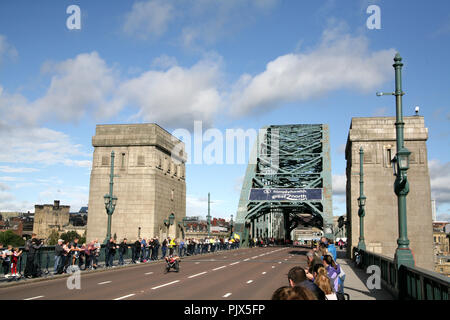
291	156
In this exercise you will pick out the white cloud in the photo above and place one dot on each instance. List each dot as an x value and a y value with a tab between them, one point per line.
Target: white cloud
175	97
4	187
8	169
148	18
32	145
440	181
339	62
339	182
7	51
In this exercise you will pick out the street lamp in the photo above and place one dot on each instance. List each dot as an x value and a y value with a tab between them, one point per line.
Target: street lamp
208	217
110	200
231	226
361	201
400	164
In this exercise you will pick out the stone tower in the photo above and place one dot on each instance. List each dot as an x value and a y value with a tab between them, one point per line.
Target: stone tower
149	182
48	217
377	137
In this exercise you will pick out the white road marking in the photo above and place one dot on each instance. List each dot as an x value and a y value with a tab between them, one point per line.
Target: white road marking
279	262
104	282
149	272
197	262
254	257
198	274
124	297
247	259
219	268
249	281
264	272
234	263
167	284
34	298
273	267
227	295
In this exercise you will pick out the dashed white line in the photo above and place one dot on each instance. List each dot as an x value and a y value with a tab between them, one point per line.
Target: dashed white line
264	272
104	282
254	257
279	262
124	297
249	281
273	267
197	262
227	295
234	263
195	275
149	272
34	298
167	284
219	268
247	259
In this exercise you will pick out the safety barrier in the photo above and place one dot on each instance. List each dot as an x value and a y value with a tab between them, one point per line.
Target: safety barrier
406	283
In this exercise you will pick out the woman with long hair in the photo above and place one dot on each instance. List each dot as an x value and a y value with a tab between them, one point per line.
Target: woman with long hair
333	269
324	283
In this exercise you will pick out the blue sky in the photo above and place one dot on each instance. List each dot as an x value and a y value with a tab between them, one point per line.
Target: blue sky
230	64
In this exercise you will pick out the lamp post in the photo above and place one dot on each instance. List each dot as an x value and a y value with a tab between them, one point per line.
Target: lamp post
208	217
231	226
400	163
110	200
361	202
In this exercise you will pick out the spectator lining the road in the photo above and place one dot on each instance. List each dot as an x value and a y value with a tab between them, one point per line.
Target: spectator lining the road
323	282
293	293
333	271
297	277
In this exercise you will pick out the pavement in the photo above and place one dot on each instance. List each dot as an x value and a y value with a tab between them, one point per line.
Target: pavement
355	282
242	274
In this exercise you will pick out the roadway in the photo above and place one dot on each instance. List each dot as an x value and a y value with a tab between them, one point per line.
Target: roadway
243	274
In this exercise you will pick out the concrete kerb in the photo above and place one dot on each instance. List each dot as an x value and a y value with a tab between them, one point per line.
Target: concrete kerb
13	283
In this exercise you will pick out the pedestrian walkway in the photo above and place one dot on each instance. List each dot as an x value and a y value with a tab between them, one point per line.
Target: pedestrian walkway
355	283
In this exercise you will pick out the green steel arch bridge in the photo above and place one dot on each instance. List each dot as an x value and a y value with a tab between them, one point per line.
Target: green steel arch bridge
287	183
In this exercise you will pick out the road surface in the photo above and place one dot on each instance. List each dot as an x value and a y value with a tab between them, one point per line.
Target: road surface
243	274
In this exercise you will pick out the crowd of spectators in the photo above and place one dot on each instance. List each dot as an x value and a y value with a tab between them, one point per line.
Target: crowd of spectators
87	256
323	279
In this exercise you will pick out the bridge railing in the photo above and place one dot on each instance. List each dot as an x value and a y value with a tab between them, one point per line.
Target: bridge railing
407	283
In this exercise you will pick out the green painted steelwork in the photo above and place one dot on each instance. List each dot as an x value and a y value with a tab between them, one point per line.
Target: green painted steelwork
287	156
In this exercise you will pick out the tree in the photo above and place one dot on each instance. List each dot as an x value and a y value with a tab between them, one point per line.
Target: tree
9	237
53	238
70	236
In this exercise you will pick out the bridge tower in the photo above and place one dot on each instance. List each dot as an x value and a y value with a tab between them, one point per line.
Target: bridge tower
287	183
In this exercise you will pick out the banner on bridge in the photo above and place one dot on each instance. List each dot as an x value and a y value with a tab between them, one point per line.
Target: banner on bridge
285	194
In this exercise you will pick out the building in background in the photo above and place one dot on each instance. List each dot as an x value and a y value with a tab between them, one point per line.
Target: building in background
48	217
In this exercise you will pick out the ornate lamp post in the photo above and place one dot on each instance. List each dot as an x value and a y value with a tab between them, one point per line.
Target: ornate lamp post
110	200
183	226
361	202
400	164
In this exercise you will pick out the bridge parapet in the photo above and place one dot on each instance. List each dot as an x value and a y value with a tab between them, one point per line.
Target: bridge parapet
406	283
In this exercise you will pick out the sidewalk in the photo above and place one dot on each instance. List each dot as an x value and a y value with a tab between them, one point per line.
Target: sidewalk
355	283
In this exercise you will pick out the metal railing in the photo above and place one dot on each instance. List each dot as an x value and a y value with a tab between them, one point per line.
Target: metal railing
44	259
407	283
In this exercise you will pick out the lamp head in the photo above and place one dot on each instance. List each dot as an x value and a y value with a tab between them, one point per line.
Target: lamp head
417	110
379	94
